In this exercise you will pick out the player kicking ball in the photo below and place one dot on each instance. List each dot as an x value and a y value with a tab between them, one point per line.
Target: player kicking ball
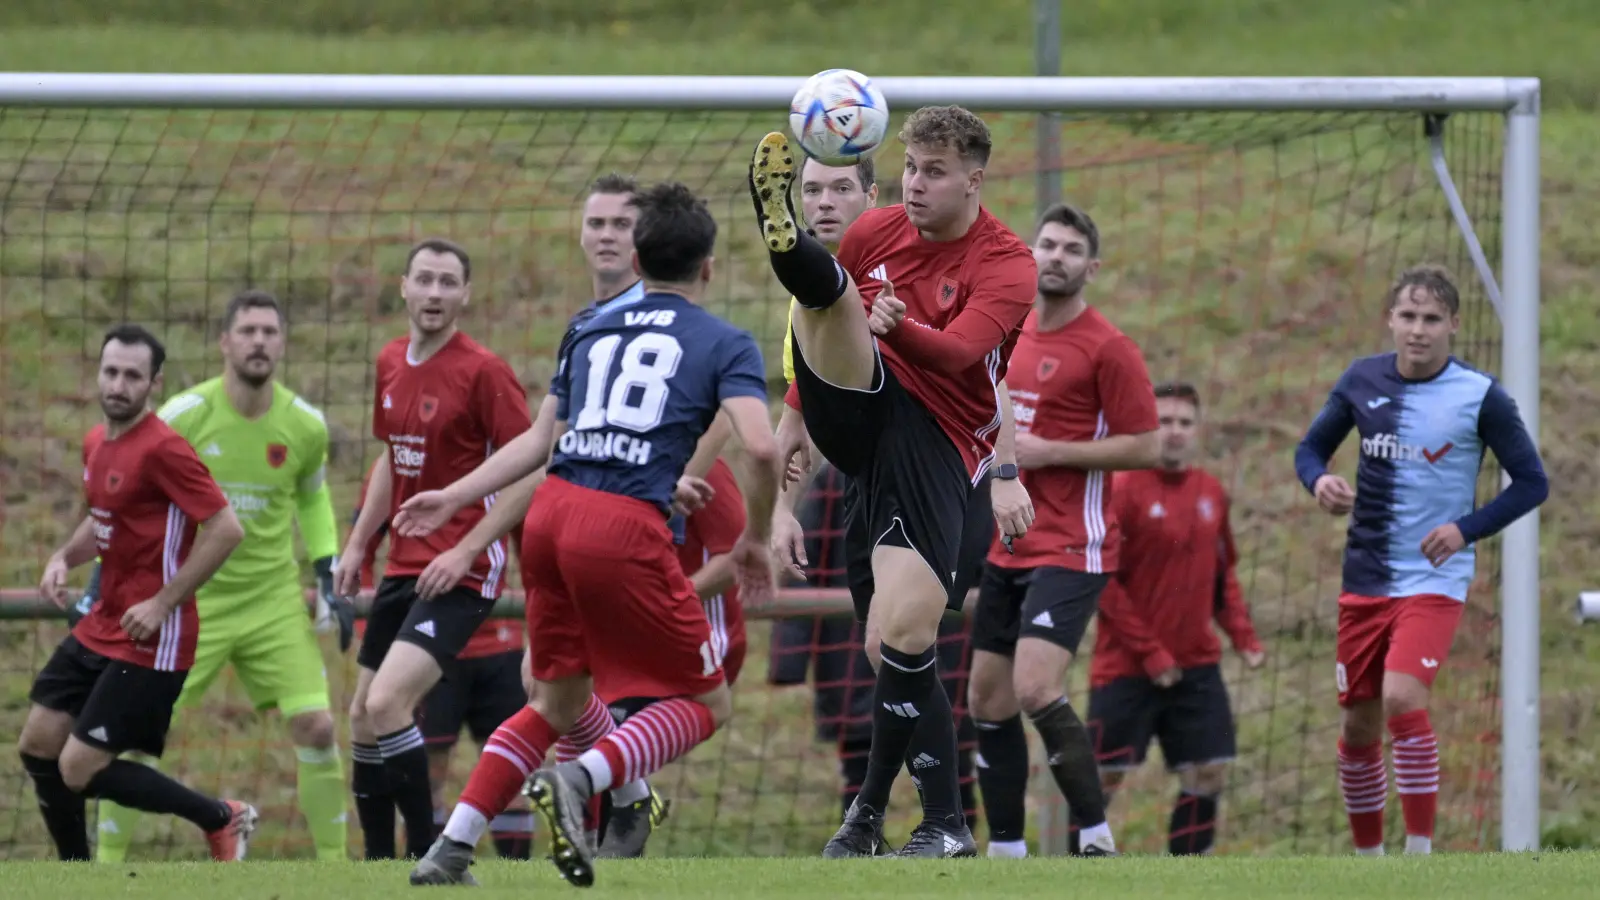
904	403
607	596
1425	419
161	527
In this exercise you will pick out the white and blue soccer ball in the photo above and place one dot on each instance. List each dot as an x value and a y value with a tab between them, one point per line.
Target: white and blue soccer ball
839	117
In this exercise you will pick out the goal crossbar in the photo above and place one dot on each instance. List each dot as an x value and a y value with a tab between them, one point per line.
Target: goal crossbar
1516	292
999	94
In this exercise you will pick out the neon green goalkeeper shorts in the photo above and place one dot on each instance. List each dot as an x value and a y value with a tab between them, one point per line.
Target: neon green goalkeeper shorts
269	640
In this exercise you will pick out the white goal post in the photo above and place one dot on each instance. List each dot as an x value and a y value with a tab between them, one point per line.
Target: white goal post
1515	290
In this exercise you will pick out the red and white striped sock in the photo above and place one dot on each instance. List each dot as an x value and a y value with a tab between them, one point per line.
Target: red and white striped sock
1416	776
512	753
1364	779
647	741
595	723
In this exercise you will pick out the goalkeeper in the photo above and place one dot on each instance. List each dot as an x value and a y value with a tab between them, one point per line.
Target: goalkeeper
267	449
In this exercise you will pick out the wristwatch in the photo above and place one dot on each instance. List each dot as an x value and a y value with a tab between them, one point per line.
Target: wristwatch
1006	471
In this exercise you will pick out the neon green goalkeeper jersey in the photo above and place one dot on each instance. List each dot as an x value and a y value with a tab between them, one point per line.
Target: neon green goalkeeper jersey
273	470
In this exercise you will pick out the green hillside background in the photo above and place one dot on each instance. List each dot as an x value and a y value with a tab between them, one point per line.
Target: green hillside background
1245	252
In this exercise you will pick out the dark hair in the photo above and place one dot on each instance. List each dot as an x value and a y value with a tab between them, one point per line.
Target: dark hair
1074	218
951	127
129	333
1178	390
440	245
614	183
866	173
1433	279
674	232
250	299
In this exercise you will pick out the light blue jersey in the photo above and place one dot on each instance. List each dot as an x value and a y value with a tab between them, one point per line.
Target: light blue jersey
1422	444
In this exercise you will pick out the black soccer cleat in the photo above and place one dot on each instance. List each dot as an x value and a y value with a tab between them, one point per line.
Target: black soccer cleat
630	826
939	840
860	835
772	173
446	862
562	808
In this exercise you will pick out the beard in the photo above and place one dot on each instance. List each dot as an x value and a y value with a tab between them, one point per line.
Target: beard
1057	284
251	377
120	410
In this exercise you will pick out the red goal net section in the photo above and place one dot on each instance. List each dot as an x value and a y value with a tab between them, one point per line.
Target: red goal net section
1249	228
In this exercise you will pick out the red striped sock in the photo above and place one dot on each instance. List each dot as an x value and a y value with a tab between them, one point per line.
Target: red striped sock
1364	780
647	741
512	753
1416	771
595	723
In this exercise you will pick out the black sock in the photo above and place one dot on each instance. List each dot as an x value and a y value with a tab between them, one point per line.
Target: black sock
369	783
1003	777
905	686
137	786
1194	824
932	760
1070	756
810	273
513	834
852	769
405	762
62	808
969	786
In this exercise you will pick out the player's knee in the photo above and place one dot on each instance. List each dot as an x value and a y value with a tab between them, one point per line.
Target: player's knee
80	763
312	729
1399	699
906	631
559	704
720	703
44	734
1035	690
438	768
1207	780
1362	725
989	694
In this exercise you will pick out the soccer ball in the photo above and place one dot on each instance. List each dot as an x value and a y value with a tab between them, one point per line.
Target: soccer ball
839	117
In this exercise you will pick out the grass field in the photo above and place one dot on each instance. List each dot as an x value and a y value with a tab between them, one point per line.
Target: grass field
1461	877
1243	252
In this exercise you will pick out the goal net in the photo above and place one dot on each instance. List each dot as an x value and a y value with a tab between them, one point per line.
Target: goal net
1246	252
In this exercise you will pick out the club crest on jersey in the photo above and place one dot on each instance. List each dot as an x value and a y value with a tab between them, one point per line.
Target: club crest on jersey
427	407
1048	367
949	289
113	480
1206	510
277	455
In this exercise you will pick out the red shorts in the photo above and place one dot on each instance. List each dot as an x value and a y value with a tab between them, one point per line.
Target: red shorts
1392	634
727	634
608	598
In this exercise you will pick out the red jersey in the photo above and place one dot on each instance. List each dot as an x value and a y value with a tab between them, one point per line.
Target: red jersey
1178	575
493	637
1085	381
712	532
441	419
147	492
965	301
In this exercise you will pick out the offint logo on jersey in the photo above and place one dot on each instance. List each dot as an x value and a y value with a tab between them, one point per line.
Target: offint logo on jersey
1387	445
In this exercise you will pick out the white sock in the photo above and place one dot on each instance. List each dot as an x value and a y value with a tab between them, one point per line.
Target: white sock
1416	843
594	762
466	825
1096	836
630	793
1008	849
1370	851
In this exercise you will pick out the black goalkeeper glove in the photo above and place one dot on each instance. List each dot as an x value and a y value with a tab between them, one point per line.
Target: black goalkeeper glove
332	609
91	594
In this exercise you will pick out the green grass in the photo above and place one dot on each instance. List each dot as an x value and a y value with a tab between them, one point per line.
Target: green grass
1460	877
1243	252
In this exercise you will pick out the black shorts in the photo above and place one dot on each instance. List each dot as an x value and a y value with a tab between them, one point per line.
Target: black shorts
479	693
442	626
914	490
116	706
977	533
1192	720
1049	603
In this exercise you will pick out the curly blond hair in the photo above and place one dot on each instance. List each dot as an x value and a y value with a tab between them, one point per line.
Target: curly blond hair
949	127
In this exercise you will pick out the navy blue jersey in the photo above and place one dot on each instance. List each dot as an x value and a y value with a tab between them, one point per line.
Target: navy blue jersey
638	384
1422	444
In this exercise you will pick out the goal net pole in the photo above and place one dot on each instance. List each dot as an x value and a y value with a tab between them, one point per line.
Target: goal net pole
1516	292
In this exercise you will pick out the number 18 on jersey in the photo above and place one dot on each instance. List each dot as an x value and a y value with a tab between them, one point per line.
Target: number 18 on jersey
638	384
